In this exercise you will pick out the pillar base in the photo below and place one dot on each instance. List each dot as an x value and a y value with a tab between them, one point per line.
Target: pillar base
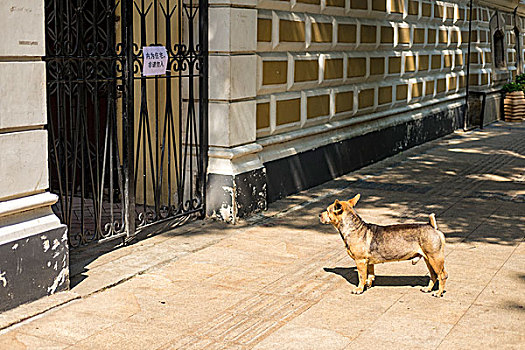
34	253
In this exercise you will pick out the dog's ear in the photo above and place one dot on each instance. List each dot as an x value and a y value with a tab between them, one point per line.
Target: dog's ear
354	200
338	207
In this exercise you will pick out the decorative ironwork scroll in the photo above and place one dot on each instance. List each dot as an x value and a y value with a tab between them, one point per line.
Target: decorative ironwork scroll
126	150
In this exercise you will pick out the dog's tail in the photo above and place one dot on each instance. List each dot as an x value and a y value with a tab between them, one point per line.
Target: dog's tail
433	221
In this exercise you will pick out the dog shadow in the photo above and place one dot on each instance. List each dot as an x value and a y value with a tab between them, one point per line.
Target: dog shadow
350	274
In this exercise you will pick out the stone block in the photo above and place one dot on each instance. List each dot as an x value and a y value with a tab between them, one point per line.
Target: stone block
423	63
291	31
379	5
359	4
22	94
317	106
344	101
368	34
333	68
219	83
377	65
264	30
321	32
243	76
232	124
410	63
232	29
443	36
441	85
401	92
419	36
356	67
243	28
384	95
426	9
219	29
366	98
288	111
431	36
335	3
403	35
396	6
394	65
306	70
346	33
22	28
447	59
274	72
429	88
436	62
413	8
417	89
23	163
263	115
387	35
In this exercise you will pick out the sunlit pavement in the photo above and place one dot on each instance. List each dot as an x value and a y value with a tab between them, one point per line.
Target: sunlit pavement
281	280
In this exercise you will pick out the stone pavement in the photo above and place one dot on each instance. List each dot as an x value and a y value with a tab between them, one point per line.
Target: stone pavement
281	280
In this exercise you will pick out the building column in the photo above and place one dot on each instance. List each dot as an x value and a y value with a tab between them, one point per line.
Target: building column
236	176
33	243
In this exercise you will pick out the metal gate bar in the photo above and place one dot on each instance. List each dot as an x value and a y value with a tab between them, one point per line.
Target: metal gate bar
126	151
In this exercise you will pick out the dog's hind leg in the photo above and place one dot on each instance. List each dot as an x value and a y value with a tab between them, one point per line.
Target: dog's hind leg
371	275
433	277
438	264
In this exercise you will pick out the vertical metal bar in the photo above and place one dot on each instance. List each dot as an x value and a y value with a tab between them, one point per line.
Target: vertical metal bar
465	114
128	118
203	101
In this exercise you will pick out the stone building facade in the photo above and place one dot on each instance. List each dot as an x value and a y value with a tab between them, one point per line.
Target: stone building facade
300	91
332	85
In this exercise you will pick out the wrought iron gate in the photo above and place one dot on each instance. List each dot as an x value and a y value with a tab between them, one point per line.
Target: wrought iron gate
125	150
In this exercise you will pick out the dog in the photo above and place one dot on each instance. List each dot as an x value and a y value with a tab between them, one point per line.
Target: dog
370	244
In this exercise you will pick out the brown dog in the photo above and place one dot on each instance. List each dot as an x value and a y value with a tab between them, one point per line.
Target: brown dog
370	244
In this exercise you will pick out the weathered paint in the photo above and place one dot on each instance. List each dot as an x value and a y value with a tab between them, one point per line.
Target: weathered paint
231	197
31	268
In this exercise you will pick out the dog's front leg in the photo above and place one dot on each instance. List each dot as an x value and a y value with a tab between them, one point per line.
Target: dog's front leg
362	268
371	275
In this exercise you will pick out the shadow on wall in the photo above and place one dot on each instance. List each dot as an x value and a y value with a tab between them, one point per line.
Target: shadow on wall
474	188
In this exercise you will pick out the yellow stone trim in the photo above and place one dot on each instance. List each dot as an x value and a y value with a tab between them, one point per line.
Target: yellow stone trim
321	32
291	31
288	111
264	30
384	95
317	106
356	67
263	115
306	70
274	72
366	98
344	101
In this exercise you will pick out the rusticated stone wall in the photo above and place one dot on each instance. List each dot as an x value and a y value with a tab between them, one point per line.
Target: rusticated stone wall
324	60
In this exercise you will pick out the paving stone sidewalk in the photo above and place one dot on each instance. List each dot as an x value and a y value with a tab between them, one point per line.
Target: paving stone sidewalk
280	280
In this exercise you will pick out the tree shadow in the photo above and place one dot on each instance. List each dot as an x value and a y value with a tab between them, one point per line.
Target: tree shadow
350	274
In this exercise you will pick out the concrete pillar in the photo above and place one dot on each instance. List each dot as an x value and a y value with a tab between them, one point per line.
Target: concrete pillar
33	242
236	176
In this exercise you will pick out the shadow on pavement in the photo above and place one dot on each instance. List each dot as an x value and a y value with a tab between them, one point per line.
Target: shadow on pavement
350	274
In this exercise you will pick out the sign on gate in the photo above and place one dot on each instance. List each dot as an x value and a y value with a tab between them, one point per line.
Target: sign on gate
155	60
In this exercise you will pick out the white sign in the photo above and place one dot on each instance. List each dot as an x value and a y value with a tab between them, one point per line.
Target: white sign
155	60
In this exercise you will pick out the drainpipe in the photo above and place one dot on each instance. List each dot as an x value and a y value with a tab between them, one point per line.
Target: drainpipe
465	114
517	33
